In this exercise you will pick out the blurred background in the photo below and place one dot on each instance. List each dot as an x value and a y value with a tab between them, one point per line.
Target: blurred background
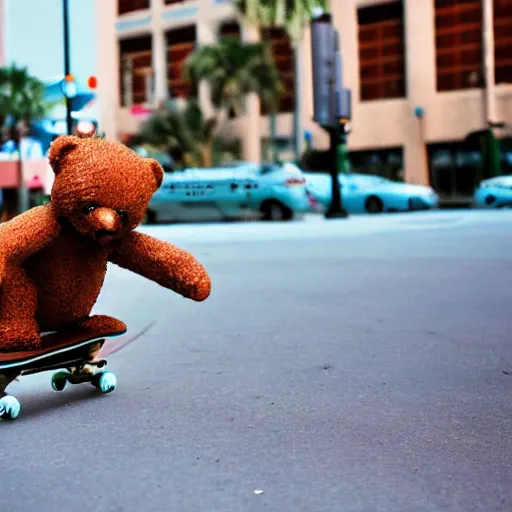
221	93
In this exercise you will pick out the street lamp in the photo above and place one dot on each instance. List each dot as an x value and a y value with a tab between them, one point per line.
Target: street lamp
331	102
69	84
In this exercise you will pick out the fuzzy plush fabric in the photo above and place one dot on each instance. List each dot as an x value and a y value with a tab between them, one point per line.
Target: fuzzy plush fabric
53	258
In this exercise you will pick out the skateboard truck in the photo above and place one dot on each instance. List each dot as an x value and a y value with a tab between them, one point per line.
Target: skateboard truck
78	355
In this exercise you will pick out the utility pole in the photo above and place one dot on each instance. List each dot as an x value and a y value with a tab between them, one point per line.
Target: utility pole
332	102
67	70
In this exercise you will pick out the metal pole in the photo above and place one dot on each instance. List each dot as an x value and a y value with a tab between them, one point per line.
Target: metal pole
336	209
488	64
65	14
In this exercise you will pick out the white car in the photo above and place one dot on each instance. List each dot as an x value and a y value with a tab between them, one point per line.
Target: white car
494	193
365	193
239	191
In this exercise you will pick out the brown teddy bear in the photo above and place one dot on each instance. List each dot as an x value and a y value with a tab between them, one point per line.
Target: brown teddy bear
53	258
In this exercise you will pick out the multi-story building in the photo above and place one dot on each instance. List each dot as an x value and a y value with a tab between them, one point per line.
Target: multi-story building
423	73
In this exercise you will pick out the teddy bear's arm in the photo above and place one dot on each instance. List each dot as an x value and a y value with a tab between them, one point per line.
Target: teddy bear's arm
163	263
27	234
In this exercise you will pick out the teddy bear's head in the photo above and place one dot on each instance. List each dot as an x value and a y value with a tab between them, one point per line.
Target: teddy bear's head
101	187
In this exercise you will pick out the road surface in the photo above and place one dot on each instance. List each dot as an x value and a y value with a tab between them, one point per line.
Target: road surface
350	365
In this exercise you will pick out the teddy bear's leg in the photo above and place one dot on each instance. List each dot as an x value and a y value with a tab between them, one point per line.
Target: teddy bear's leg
103	324
18	304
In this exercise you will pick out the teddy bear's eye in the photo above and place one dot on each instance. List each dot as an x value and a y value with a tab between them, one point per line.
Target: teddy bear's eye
122	215
88	208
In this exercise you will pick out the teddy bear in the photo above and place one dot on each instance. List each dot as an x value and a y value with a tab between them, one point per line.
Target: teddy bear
53	258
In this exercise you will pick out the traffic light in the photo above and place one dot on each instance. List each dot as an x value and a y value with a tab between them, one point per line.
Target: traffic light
331	100
345	126
92	82
322	44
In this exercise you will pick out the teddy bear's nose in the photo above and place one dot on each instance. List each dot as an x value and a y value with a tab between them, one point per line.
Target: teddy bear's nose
106	223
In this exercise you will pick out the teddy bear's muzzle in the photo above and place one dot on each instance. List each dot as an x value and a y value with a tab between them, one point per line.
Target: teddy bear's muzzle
102	234
106	225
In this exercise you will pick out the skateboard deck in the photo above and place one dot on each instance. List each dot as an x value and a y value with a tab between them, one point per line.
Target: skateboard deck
80	351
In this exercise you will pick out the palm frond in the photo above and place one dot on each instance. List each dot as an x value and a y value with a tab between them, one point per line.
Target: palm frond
21	95
234	69
293	15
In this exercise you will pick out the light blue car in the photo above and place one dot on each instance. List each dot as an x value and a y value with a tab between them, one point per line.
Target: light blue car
494	193
239	191
364	193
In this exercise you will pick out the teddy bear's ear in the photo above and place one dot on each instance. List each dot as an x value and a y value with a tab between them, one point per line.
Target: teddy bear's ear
59	148
158	171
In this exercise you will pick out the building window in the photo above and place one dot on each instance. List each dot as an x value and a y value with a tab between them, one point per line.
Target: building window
387	163
283	56
136	70
458	44
125	6
455	168
230	29
381	51
180	44
503	41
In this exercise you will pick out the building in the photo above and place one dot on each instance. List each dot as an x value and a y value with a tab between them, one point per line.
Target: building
423	73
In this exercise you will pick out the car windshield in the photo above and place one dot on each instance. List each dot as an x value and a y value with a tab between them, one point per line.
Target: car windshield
370	180
364	180
268	168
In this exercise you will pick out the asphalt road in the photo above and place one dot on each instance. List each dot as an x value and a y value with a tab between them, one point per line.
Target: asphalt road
352	365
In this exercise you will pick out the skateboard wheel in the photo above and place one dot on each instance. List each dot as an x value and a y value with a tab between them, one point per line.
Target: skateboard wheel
105	381
60	381
9	408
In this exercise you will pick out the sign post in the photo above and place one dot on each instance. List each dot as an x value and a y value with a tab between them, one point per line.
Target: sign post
331	101
69	81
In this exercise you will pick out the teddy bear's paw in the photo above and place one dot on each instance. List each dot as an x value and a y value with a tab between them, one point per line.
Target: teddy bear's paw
103	324
17	337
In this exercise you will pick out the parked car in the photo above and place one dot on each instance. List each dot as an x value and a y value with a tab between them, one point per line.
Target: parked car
494	193
365	193
242	190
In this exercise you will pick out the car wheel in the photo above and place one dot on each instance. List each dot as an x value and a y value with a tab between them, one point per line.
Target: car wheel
490	199
374	205
275	211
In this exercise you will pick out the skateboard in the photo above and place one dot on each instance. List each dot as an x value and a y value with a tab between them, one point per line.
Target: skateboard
79	355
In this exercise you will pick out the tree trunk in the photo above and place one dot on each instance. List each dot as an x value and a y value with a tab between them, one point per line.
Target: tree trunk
23	198
297	115
207	153
273	146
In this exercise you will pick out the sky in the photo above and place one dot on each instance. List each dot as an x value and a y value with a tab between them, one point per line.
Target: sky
34	37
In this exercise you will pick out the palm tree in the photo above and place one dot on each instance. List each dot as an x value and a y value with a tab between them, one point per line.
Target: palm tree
233	69
21	101
293	15
186	135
